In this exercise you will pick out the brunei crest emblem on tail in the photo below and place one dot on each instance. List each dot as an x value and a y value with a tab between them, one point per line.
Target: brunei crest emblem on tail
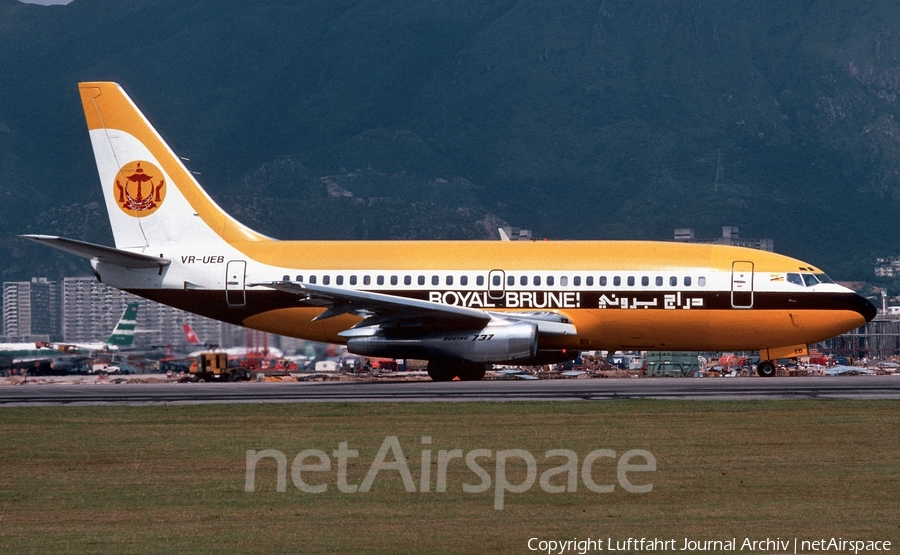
139	189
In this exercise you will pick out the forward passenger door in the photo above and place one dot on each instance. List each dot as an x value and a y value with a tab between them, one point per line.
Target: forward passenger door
742	284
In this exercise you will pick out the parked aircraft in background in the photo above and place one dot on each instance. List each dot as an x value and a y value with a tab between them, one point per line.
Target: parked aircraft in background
122	336
460	305
189	335
194	341
62	357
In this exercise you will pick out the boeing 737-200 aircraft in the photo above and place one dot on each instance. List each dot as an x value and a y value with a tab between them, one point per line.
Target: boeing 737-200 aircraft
460	305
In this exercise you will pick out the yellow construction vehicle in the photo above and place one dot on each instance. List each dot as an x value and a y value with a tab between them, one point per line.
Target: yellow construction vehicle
214	367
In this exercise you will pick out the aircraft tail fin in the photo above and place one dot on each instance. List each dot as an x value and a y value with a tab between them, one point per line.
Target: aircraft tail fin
151	198
123	334
189	334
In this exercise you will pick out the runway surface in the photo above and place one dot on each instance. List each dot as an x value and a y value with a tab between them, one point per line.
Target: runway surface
857	387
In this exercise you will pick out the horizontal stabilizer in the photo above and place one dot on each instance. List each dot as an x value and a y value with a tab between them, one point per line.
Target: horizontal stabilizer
100	253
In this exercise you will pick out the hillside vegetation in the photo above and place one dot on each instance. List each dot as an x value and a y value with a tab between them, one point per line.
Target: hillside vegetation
411	119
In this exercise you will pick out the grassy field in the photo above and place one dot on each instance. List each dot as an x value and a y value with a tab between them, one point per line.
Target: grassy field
172	479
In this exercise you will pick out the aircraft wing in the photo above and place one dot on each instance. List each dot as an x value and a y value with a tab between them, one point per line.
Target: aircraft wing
377	308
391	310
100	253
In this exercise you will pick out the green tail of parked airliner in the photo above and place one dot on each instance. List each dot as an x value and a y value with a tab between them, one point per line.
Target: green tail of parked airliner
123	334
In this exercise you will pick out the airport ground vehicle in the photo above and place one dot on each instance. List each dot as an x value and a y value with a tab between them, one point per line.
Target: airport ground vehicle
674	364
216	366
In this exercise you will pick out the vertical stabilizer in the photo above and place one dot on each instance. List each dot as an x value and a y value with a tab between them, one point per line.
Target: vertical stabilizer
123	333
190	335
151	198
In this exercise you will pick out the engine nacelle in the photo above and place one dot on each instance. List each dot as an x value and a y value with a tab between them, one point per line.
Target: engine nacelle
503	343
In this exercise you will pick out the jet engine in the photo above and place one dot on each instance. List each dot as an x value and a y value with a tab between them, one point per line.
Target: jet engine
494	343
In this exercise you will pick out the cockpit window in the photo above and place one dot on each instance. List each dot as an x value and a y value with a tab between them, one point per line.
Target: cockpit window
824	278
810	280
795	279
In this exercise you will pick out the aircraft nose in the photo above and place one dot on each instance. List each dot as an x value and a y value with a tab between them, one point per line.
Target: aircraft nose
866	309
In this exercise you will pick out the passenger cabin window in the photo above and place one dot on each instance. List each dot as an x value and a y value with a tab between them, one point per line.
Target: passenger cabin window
537	280
549	280
367	280
576	281
339	280
673	281
299	278
326	279
630	281
393	280
421	280
701	281
645	281
617	281
479	281
312	279
449	280
687	281
659	281
510	280
352	280
564	281
435	280
523	280
589	281
496	281
407	280
464	280
285	278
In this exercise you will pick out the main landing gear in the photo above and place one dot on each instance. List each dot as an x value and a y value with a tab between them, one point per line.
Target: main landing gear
446	370
765	368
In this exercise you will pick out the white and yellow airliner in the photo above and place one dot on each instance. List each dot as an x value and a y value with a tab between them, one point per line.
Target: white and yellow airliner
460	305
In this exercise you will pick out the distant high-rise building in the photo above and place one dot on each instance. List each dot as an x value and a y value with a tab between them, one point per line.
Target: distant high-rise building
684	234
16	309
31	310
45	308
91	309
517	234
887	266
83	310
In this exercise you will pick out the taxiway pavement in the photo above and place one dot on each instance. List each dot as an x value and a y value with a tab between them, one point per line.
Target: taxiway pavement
856	387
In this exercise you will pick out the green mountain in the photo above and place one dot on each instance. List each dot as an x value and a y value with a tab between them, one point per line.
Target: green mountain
410	119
